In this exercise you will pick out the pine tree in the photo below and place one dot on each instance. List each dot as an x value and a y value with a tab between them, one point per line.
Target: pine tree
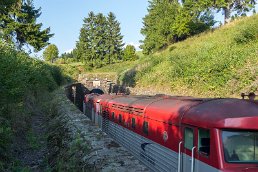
91	27
100	40
79	50
85	50
82	46
114	39
18	24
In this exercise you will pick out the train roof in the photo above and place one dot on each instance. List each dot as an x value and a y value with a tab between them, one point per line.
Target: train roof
224	113
169	110
218	113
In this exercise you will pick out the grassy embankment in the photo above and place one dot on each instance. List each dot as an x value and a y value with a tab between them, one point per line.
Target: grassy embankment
222	63
24	84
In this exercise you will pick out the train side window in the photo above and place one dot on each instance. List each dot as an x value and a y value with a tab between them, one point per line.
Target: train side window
133	123
113	115
145	127
189	138
120	118
204	141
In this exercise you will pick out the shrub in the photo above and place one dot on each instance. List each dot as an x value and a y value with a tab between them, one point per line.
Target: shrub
246	34
21	77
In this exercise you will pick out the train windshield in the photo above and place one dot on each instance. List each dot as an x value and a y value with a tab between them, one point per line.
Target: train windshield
240	146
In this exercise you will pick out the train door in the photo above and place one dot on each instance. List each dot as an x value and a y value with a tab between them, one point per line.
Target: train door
189	149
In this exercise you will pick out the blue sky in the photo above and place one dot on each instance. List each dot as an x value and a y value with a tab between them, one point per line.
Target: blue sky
65	18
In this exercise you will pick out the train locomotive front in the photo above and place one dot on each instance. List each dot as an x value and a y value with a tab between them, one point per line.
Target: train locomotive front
181	134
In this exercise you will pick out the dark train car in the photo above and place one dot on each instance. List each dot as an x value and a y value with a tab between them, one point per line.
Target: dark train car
181	134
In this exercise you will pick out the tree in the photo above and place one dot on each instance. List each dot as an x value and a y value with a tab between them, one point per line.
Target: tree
51	53
193	19
82	46
100	41
67	55
169	21
240	7
157	24
129	53
85	50
18	24
114	39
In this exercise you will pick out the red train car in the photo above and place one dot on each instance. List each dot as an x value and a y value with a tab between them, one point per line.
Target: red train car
181	134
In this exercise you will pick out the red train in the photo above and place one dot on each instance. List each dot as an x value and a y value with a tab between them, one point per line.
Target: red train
181	134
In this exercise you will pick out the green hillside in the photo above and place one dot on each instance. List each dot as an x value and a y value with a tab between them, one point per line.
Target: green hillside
222	63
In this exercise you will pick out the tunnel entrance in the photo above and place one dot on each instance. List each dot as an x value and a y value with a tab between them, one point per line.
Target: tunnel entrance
97	90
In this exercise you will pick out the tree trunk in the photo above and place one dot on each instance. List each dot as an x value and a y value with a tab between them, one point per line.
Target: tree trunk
227	12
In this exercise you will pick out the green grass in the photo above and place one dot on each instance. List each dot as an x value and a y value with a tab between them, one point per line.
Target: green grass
219	63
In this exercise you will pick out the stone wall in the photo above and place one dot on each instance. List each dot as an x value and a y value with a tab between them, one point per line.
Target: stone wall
76	144
108	82
105	81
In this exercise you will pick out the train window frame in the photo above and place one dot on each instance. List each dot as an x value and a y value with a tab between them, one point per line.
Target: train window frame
120	118
145	127
188	145
235	157
113	116
133	123
204	142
